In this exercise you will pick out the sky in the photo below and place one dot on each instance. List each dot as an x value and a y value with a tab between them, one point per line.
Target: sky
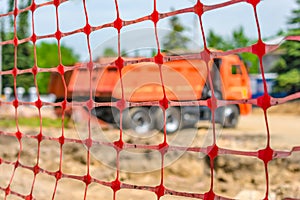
272	14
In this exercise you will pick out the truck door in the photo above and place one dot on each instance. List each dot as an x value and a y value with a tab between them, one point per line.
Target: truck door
216	78
234	78
235	86
216	81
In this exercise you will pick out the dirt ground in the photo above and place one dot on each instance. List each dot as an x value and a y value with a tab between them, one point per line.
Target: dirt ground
238	177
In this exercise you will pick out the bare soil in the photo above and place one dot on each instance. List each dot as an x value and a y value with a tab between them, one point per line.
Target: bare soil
239	177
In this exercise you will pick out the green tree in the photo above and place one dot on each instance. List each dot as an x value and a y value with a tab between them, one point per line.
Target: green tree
24	58
217	42
47	57
175	40
47	53
237	40
22	19
288	66
109	52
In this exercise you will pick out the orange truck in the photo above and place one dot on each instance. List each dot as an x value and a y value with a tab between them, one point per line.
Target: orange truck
184	80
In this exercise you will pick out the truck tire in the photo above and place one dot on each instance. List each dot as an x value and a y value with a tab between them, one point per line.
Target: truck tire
173	120
105	113
139	120
230	115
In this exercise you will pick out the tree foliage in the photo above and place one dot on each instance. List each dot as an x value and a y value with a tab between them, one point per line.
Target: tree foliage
288	66
176	40
47	57
47	53
109	52
237	40
24	59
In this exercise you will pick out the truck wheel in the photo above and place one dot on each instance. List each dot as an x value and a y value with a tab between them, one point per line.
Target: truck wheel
139	120
173	120
231	115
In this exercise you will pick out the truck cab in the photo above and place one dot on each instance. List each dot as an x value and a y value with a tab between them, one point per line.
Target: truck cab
231	82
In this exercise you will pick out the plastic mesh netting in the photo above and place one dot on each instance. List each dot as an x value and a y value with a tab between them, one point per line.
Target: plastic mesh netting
91	183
